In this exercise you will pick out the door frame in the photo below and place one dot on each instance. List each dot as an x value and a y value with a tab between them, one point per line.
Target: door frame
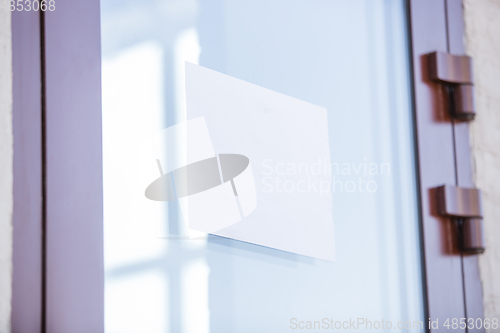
58	237
58	233
452	280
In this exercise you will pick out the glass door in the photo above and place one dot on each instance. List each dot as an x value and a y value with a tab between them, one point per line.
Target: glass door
350	57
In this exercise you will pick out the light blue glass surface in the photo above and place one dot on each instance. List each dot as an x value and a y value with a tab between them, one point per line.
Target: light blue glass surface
349	56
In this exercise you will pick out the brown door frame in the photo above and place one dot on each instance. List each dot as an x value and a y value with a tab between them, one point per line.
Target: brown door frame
453	286
27	218
58	249
58	269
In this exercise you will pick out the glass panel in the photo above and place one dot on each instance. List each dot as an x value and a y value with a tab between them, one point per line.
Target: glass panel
349	56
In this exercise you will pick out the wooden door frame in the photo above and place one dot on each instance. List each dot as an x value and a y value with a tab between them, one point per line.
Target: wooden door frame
452	281
58	236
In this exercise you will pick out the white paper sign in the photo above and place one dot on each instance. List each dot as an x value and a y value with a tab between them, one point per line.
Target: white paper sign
286	142
255	166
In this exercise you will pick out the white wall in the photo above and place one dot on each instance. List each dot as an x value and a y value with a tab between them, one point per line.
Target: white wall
482	20
6	152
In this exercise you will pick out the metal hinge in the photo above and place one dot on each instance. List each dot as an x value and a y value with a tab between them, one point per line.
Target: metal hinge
455	71
464	205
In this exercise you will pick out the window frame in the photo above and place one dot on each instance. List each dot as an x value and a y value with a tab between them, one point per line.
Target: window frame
452	280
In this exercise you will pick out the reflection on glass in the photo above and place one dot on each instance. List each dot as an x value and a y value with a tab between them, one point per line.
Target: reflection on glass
350	56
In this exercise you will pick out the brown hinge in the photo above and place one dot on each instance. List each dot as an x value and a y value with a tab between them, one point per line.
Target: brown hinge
464	205
455	71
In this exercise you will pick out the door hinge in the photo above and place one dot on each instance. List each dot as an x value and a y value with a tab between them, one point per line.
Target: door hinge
465	206
455	71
